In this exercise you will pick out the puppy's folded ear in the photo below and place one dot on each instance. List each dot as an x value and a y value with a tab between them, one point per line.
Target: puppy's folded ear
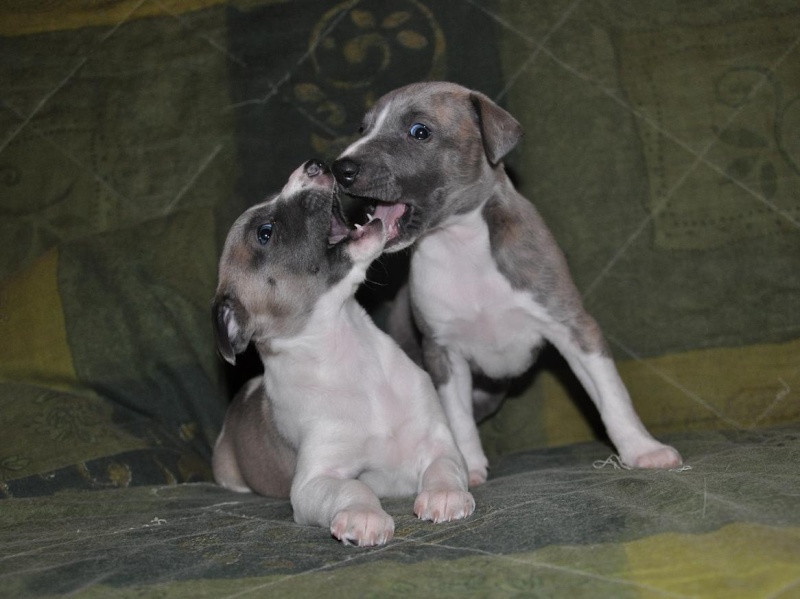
230	327
499	130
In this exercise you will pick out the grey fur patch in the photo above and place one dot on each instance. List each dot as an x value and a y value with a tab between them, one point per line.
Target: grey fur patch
434	356
500	131
274	286
528	256
436	362
429	176
454	171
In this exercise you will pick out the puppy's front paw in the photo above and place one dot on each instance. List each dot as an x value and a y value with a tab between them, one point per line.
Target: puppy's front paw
478	468
478	476
363	526
661	457
444	506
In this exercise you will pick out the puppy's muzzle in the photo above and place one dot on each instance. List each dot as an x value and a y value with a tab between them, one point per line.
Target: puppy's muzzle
345	171
395	214
315	167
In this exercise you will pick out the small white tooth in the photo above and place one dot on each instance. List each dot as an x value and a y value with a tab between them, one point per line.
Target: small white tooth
358	227
371	217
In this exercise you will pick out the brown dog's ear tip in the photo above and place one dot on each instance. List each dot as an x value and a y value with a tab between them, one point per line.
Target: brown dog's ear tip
500	131
228	356
222	313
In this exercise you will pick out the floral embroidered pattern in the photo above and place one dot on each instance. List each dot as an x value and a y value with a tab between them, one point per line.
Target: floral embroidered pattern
758	150
357	50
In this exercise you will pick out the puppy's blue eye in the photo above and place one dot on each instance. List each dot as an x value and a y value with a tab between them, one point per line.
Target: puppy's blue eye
419	131
264	233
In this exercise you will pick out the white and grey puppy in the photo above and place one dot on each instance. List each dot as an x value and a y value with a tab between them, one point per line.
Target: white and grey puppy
341	414
488	283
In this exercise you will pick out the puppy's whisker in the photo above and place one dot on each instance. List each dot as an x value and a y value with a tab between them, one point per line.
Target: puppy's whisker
372	283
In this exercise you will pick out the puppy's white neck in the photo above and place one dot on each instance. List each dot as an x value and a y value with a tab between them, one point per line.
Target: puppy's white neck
339	353
462	234
335	315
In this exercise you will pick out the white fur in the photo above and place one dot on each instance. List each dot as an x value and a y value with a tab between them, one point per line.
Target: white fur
374	130
361	419
465	304
469	304
366	422
475	314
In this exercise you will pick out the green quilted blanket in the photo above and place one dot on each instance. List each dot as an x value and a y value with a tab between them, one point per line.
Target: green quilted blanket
549	523
662	149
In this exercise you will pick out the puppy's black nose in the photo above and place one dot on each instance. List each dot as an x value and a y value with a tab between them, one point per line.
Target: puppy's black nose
345	171
314	167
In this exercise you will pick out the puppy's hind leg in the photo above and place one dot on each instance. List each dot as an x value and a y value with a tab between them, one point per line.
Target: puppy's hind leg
250	454
225	466
444	496
599	376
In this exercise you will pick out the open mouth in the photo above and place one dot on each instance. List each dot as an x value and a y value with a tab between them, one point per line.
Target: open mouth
340	228
350	214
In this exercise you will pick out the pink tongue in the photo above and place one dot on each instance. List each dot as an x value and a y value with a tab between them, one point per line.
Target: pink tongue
390	214
338	231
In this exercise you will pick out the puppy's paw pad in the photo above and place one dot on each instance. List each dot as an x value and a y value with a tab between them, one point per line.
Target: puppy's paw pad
364	527
663	457
444	506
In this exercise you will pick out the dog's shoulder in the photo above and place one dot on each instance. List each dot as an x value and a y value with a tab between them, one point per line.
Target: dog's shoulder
523	248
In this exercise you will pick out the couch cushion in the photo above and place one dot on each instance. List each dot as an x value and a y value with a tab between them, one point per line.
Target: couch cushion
108	352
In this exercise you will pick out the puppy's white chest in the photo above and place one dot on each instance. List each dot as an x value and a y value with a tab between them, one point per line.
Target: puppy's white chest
469	305
364	407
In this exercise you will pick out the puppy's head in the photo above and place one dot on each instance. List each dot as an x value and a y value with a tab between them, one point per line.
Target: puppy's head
282	256
424	148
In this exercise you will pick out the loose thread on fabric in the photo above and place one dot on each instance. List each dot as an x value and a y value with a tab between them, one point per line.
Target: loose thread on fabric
613	460
617	464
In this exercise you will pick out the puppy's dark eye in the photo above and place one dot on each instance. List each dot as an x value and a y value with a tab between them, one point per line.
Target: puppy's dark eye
361	130
419	131
264	233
